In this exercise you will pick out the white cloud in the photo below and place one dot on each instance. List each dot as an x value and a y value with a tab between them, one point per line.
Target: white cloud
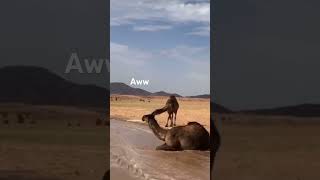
200	31
152	28
184	64
187	54
182	53
128	56
128	12
198	76
118	48
181	12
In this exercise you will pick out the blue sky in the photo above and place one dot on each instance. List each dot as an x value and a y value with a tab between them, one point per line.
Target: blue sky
164	41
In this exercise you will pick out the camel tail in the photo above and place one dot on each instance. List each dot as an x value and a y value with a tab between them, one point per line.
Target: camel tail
160	111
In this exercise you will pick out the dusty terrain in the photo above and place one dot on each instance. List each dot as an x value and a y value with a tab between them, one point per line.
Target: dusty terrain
50	148
268	147
134	107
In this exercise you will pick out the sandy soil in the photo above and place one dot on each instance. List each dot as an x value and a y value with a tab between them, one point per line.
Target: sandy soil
119	174
132	149
134	107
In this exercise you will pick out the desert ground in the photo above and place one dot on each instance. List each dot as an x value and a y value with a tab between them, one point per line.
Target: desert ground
267	147
54	143
137	138
134	107
253	146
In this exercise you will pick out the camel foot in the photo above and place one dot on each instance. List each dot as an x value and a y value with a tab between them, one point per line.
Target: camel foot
166	125
165	147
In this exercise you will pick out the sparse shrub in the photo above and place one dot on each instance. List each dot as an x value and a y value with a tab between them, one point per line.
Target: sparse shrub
6	121
33	122
78	124
69	124
98	122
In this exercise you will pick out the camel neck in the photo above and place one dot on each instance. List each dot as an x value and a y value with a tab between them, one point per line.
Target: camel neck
157	130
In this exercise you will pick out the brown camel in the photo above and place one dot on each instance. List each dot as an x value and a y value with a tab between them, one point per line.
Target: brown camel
192	136
171	107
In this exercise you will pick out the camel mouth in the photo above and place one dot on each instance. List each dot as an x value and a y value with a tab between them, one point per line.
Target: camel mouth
147	117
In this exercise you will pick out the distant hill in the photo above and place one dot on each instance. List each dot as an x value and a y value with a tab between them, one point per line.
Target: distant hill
123	89
205	96
162	93
35	85
303	110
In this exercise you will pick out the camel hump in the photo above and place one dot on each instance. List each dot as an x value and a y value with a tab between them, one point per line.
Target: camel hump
194	123
172	101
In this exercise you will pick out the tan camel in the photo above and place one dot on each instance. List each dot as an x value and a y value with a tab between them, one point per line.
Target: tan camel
171	107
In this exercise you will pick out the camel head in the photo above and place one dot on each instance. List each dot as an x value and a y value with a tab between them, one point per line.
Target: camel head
147	117
172	97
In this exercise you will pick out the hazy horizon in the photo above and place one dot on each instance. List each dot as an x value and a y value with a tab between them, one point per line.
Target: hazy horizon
159	90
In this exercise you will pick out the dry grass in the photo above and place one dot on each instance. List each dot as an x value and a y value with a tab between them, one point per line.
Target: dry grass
133	108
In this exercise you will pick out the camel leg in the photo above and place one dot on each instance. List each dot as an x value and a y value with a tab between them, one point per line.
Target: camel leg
165	147
171	118
168	120
175	118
